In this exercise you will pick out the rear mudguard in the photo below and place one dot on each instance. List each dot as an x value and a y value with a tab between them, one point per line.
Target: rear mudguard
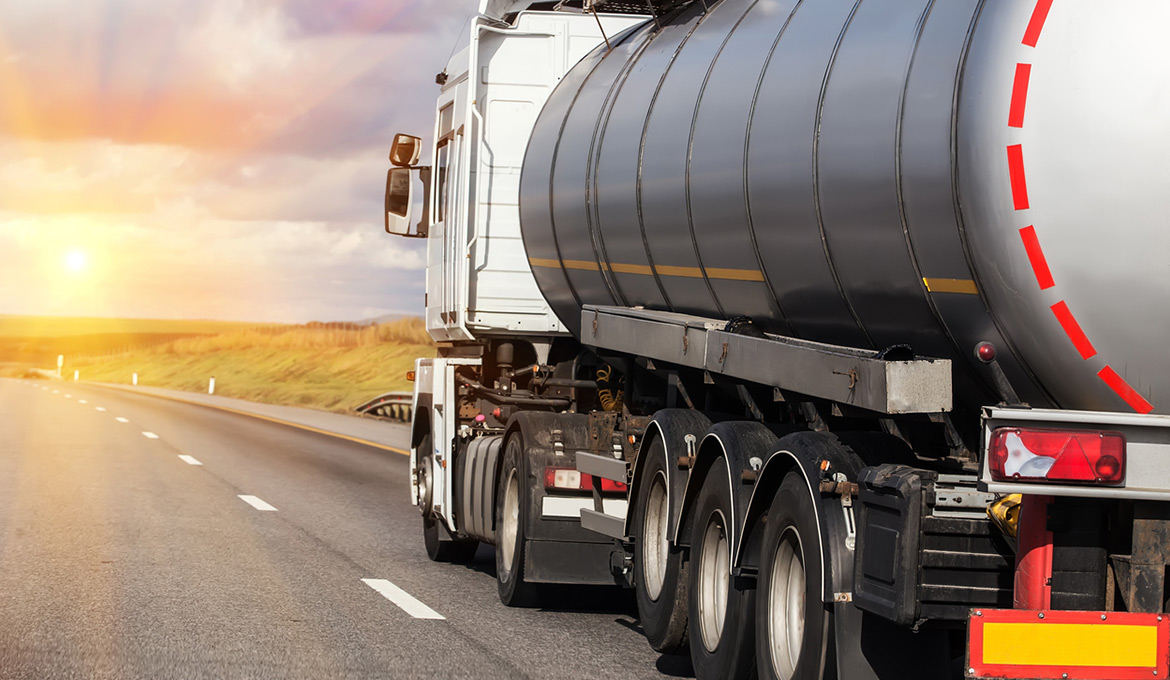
745	446
672	426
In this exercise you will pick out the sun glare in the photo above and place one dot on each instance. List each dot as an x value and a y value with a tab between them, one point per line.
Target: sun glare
75	260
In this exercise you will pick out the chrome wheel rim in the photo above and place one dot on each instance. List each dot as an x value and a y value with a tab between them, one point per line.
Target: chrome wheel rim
714	580
510	520
786	604
654	545
424	487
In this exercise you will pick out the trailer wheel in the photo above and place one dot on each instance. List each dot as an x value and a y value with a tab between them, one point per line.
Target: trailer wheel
792	621
439	548
511	502
722	617
660	574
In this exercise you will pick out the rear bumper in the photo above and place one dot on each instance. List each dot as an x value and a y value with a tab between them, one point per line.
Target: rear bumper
1021	644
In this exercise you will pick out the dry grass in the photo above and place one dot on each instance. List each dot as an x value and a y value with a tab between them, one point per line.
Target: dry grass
332	367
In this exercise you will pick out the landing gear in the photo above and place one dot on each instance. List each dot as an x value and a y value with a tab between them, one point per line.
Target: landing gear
722	617
792	621
660	573
511	501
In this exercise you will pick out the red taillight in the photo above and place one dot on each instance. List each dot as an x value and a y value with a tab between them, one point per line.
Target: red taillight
1016	454
568	479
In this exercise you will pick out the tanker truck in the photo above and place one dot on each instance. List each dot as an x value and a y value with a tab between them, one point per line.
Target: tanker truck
835	329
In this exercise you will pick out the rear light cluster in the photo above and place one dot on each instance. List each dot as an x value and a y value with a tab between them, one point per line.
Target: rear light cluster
1026	455
568	479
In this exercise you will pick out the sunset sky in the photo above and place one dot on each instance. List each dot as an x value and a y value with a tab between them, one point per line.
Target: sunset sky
218	159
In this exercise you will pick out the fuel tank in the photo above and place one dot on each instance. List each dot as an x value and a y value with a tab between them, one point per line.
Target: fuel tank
879	172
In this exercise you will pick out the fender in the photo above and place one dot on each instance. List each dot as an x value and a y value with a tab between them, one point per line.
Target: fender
845	453
739	442
542	450
672	426
420	427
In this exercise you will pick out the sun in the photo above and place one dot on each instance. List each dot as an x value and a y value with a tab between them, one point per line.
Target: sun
75	260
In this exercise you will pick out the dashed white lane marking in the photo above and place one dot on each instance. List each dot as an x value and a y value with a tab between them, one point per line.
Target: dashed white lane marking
56	391
82	401
189	460
120	419
257	503
405	601
68	396
99	408
150	435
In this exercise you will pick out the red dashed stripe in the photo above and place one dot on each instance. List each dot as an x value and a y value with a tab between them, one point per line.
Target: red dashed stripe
1036	257
1039	16
1136	401
1073	330
1019	95
1015	154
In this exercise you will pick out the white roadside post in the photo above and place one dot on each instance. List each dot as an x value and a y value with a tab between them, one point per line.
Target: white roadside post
76	375
211	385
60	363
134	378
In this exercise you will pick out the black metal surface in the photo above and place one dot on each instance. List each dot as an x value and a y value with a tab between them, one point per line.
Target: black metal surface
787	160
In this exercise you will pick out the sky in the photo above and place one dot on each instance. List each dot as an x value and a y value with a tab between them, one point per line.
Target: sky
212	159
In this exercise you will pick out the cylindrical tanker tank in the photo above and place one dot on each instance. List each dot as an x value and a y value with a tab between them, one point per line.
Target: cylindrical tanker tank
879	172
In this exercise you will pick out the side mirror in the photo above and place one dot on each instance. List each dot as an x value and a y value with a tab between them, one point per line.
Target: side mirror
399	201
405	151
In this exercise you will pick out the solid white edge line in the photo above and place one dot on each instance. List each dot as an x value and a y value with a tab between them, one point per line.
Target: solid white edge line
150	435
120	419
404	600
189	460
257	503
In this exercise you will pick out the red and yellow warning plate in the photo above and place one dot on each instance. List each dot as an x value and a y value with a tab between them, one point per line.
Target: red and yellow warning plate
1060	645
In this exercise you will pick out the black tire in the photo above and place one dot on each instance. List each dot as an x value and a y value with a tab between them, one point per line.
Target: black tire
439	547
791	539
719	649
511	512
662	591
459	551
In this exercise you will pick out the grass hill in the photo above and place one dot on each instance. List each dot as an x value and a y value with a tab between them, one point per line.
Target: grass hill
331	366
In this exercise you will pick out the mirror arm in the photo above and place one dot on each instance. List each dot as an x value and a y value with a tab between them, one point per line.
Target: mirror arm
424	223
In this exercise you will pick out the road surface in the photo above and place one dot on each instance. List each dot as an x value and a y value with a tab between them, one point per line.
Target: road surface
142	537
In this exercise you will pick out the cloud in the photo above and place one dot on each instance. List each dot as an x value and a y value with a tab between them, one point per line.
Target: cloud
220	159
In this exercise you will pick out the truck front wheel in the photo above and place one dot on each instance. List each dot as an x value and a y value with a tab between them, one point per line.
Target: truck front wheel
511	505
440	546
660	572
792	621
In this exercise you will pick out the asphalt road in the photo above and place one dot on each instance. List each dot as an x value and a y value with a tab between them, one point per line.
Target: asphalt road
136	541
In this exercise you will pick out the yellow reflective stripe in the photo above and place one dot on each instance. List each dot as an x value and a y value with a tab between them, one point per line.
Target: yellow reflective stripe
685	272
587	265
1070	644
541	262
645	270
964	286
735	274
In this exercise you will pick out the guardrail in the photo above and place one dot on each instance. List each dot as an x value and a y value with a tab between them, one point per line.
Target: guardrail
392	406
40	372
